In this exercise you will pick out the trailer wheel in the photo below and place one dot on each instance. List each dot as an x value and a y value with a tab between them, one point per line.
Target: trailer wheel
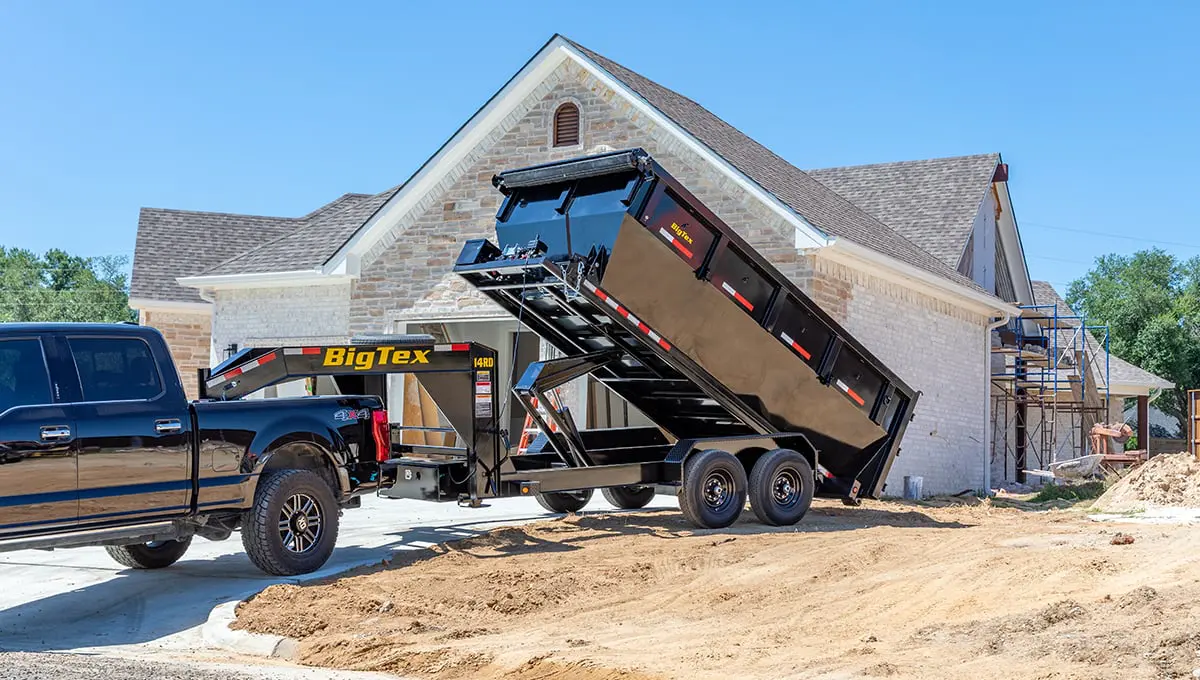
629	497
293	525
154	555
564	502
781	487
713	494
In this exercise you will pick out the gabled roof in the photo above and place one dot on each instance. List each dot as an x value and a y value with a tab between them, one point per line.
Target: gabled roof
175	243
1122	375
812	200
932	202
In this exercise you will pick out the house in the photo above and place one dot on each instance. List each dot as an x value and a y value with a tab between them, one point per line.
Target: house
920	260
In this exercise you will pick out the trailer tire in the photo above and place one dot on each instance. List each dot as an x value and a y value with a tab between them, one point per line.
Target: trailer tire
713	494
149	555
781	487
629	497
294	498
564	502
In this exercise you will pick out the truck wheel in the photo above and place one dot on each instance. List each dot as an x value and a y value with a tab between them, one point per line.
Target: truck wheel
154	555
629	497
714	489
781	487
293	525
564	501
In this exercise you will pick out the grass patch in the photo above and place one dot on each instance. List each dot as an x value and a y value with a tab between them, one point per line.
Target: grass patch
1072	492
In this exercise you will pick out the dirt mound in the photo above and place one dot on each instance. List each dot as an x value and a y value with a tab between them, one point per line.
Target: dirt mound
1165	480
887	590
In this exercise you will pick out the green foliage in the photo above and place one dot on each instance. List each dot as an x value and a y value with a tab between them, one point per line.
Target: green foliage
58	286
1070	492
1151	303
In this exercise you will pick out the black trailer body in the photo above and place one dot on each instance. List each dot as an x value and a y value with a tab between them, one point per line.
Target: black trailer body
459	377
617	265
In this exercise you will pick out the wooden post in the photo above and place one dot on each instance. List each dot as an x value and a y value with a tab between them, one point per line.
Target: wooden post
1193	433
1143	431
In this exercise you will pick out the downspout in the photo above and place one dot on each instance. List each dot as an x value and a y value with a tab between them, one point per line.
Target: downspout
1005	317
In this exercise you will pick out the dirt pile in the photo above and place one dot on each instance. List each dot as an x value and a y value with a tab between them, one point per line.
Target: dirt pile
1167	480
884	590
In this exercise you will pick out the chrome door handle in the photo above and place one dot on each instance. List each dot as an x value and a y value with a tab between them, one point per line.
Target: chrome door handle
55	433
167	426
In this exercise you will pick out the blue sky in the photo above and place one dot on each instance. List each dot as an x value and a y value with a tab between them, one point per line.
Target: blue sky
276	108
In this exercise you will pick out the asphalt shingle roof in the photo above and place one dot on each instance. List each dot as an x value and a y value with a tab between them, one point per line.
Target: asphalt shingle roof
177	243
1120	372
932	202
811	199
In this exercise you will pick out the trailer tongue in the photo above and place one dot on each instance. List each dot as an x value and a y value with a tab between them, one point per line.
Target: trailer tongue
612	261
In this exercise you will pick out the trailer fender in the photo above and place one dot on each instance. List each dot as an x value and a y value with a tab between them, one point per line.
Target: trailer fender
746	449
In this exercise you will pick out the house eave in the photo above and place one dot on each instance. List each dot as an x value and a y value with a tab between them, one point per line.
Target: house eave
848	252
302	277
153	305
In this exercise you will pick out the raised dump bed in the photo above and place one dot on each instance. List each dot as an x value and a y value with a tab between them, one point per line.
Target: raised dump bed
615	263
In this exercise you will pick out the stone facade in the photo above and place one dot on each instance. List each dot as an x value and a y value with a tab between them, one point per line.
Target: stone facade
189	337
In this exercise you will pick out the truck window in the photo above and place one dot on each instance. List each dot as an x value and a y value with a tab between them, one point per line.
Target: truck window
24	380
115	369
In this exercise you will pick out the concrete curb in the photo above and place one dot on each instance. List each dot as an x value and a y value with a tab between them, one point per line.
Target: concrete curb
216	633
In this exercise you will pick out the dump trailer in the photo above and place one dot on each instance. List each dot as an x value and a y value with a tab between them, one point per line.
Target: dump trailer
754	392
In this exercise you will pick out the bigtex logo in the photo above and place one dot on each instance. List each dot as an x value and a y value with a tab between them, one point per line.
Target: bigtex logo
364	358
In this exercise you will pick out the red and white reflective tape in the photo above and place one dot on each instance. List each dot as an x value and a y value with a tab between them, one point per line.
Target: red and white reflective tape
787	339
853	395
293	351
455	347
675	242
641	325
229	375
736	295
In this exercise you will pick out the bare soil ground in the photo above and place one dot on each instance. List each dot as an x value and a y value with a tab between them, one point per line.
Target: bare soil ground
1168	480
885	590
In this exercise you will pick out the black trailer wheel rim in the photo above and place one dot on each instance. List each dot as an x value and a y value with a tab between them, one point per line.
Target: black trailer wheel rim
718	489
300	523
786	487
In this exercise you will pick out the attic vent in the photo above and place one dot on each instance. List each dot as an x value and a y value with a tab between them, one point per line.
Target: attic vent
566	125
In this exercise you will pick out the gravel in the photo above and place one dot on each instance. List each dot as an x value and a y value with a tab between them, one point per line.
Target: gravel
27	666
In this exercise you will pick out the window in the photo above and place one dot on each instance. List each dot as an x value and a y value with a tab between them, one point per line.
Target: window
115	369
566	125
23	377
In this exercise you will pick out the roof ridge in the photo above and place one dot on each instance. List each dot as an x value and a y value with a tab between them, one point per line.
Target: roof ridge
993	154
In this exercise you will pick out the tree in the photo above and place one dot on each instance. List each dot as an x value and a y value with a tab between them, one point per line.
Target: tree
1151	303
58	286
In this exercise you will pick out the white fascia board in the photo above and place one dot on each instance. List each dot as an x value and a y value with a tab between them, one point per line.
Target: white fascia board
347	260
302	277
151	305
1130	390
487	119
1014	252
885	267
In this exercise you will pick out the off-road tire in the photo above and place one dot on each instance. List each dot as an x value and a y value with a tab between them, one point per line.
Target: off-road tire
629	497
262	532
713	494
149	555
781	487
564	502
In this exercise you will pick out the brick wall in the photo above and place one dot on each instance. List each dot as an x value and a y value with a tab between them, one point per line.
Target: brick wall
272	316
188	336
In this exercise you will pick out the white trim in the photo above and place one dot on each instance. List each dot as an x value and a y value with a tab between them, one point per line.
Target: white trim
302	277
888	268
450	319
1014	251
348	259
147	305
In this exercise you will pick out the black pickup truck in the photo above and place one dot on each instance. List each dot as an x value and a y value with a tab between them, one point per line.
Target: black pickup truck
100	446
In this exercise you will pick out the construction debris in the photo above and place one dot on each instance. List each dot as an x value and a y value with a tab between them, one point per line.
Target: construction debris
1166	480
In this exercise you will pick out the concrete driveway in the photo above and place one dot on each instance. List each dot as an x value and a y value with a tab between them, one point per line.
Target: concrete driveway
81	600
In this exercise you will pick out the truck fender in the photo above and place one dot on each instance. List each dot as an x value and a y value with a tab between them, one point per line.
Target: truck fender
300	443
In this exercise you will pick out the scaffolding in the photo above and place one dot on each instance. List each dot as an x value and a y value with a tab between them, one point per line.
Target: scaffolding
1050	386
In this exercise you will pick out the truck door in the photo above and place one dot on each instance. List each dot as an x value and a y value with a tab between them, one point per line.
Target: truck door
37	443
134	431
